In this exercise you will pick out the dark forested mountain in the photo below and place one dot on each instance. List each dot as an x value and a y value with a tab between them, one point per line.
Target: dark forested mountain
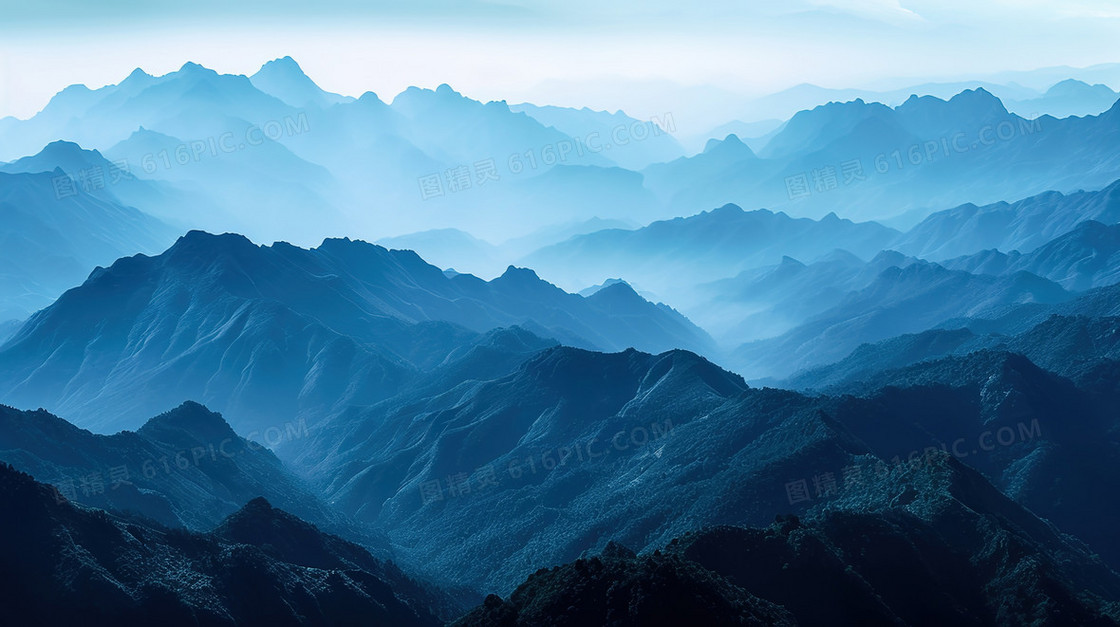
183	468
935	543
266	334
65	564
574	448
487	480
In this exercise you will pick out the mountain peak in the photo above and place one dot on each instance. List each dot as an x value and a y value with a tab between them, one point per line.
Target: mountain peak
196	240
63	147
729	146
1071	88
285	67
189	422
371	98
138	74
520	275
284	79
192	68
285	62
445	90
618	292
259	503
730	210
979	101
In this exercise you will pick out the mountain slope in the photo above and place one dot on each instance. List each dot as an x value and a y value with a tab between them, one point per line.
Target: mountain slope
67	565
665	256
1086	257
866	161
284	79
900	300
1024	225
186	467
51	236
935	544
268	334
572	447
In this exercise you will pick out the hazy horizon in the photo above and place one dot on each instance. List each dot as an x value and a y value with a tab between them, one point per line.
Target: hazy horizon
644	60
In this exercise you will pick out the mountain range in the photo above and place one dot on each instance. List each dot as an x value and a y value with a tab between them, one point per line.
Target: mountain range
579	377
229	149
230	323
933	544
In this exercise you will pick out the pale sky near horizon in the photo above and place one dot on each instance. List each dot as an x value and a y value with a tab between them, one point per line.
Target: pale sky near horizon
605	55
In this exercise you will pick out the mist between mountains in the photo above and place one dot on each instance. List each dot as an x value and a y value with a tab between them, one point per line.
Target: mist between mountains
829	484
491	170
96	178
522	468
93	482
829	177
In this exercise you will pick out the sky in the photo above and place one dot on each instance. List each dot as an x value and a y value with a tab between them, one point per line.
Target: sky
648	58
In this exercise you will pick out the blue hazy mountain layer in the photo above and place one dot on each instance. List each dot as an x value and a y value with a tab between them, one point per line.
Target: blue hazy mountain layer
266	334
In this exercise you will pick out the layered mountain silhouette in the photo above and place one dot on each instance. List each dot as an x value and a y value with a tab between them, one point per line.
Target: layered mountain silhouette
900	300
235	148
866	160
284	79
267	334
1082	259
1024	225
54	233
1067	98
539	364
184	468
673	254
633	143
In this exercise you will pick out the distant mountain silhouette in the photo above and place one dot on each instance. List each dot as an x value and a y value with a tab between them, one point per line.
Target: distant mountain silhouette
265	333
668	256
903	300
54	233
284	79
1086	257
1023	225
866	160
